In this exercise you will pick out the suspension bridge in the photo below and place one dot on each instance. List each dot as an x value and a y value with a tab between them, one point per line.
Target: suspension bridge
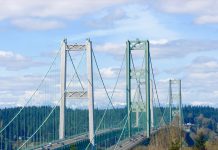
61	112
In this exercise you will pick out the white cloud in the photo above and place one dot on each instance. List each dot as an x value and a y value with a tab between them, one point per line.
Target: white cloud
205	11
11	83
182	48
143	24
108	72
37	24
203	65
8	54
17	10
212	19
201	75
52	8
13	61
163	48
159	42
185	6
199	81
164	81
107	18
7	99
19	89
111	48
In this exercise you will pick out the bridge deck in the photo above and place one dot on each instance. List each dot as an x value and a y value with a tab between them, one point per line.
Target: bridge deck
130	142
126	144
73	140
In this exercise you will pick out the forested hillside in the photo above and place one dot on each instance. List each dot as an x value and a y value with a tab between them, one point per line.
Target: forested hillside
191	112
77	121
202	133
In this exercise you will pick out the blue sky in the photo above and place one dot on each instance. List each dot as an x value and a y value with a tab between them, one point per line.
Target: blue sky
183	36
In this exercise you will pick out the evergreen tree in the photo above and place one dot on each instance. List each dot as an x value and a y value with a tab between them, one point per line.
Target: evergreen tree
200	141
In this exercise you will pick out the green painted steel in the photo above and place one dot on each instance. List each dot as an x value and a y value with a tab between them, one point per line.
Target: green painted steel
175	96
147	56
133	74
128	87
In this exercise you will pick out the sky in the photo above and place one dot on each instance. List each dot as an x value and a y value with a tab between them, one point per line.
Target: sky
183	37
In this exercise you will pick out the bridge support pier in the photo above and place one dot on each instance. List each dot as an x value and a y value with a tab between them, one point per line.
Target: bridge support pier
63	89
147	76
90	93
128	88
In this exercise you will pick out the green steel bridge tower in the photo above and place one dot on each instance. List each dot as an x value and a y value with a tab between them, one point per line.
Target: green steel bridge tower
175	101
139	75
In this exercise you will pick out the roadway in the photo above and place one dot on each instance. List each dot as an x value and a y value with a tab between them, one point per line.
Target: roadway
73	140
126	144
130	142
